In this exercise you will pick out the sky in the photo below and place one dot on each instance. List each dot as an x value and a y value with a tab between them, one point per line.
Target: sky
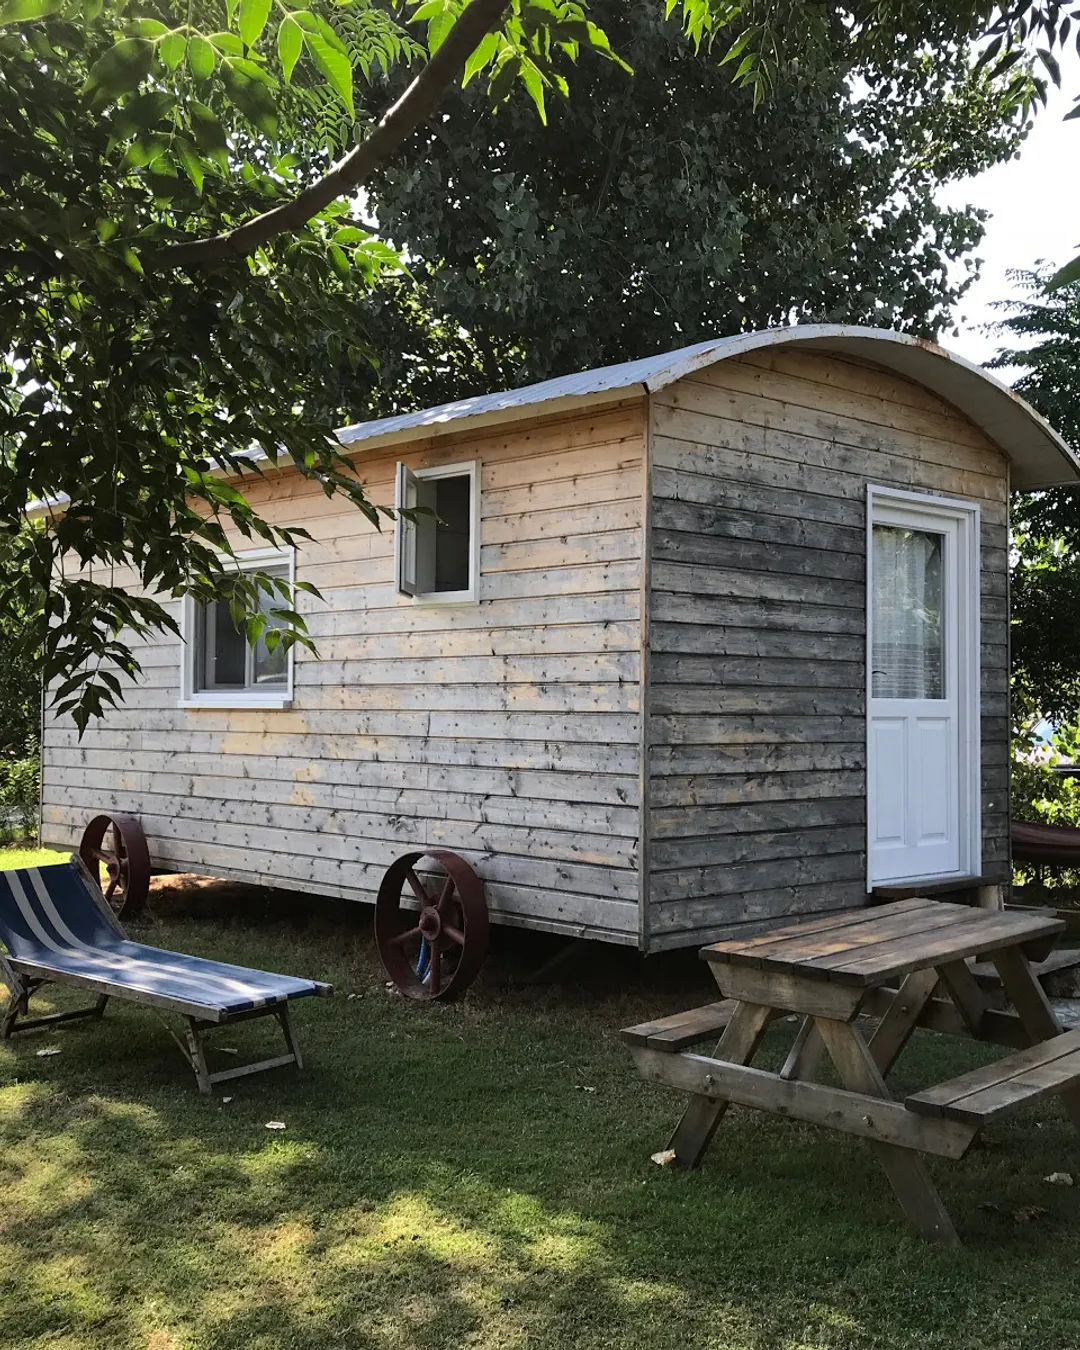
1034	205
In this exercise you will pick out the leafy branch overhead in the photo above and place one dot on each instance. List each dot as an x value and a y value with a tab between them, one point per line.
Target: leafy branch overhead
184	253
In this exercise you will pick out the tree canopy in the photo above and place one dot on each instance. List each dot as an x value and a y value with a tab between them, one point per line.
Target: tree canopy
662	210
180	261
1044	334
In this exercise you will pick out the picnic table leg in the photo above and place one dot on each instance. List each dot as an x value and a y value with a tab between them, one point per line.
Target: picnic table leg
1028	997
898	1025
905	1168
970	1001
805	1052
893	1032
737	1045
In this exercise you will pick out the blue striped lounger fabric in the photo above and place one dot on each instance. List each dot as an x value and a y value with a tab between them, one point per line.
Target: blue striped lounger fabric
58	929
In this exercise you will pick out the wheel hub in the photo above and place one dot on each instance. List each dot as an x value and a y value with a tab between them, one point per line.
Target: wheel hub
430	924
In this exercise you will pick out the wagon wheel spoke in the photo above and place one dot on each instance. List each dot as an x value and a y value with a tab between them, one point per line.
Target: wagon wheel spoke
454	934
445	894
418	889
400	939
110	890
432	976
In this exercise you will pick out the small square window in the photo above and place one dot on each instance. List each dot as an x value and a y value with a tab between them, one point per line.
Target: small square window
437	552
221	667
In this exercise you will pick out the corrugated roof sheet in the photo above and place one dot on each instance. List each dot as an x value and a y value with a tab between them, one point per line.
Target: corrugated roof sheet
1039	456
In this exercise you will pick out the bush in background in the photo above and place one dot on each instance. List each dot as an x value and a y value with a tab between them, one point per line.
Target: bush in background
19	780
20	721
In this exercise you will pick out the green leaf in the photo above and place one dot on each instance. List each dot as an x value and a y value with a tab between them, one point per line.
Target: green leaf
252	98
534	84
106	229
290	42
1065	276
172	50
227	43
503	80
254	71
132	260
483	53
147	28
120	70
430	10
193	165
348	234
253	17
209	135
201	58
25	11
740	42
334	66
439	29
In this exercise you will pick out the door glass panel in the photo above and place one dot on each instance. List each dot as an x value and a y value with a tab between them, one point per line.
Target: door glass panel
907	614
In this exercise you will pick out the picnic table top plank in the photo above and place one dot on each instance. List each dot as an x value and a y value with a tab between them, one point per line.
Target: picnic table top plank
890	940
820	958
754	950
983	931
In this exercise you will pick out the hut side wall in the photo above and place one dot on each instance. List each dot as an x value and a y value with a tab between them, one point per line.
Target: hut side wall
507	730
755	694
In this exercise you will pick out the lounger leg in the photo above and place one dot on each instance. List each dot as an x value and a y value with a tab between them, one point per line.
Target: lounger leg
288	1030
17	1005
197	1055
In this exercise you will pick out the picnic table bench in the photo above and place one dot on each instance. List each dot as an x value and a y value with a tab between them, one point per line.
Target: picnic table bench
908	965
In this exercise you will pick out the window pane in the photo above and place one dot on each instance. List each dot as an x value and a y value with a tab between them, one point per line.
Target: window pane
270	667
907	612
224	655
221	654
453	500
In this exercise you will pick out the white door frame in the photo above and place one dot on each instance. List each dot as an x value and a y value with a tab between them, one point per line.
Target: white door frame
919	510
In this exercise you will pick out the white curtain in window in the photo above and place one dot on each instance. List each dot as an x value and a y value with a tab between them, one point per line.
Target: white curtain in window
907	612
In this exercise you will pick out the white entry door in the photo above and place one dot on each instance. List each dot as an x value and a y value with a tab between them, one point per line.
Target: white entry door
923	689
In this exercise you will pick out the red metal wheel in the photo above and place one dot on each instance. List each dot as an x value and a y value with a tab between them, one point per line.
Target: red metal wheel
431	928
118	842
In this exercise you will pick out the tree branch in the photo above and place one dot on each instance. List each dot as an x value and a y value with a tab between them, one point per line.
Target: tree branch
421	98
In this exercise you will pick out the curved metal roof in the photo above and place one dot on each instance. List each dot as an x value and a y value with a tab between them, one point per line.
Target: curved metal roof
1039	457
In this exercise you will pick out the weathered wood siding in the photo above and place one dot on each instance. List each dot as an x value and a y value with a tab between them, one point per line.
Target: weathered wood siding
755	693
507	730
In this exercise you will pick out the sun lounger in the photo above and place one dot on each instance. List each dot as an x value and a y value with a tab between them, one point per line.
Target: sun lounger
57	929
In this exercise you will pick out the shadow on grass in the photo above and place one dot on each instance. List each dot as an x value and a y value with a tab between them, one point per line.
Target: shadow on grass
478	1175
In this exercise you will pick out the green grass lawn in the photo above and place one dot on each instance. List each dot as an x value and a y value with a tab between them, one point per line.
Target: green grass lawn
477	1175
27	855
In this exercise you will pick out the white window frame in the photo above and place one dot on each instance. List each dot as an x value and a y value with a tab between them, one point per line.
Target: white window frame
894	506
191	696
405	535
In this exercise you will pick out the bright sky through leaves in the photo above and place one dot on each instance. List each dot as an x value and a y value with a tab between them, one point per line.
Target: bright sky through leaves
1034	203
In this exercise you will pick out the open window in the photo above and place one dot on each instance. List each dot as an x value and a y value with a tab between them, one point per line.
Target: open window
221	667
437	551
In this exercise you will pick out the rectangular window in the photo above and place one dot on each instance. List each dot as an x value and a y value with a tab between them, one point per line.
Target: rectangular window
437	552
221	667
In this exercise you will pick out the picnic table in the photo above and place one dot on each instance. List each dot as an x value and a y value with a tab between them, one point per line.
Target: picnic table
906	964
